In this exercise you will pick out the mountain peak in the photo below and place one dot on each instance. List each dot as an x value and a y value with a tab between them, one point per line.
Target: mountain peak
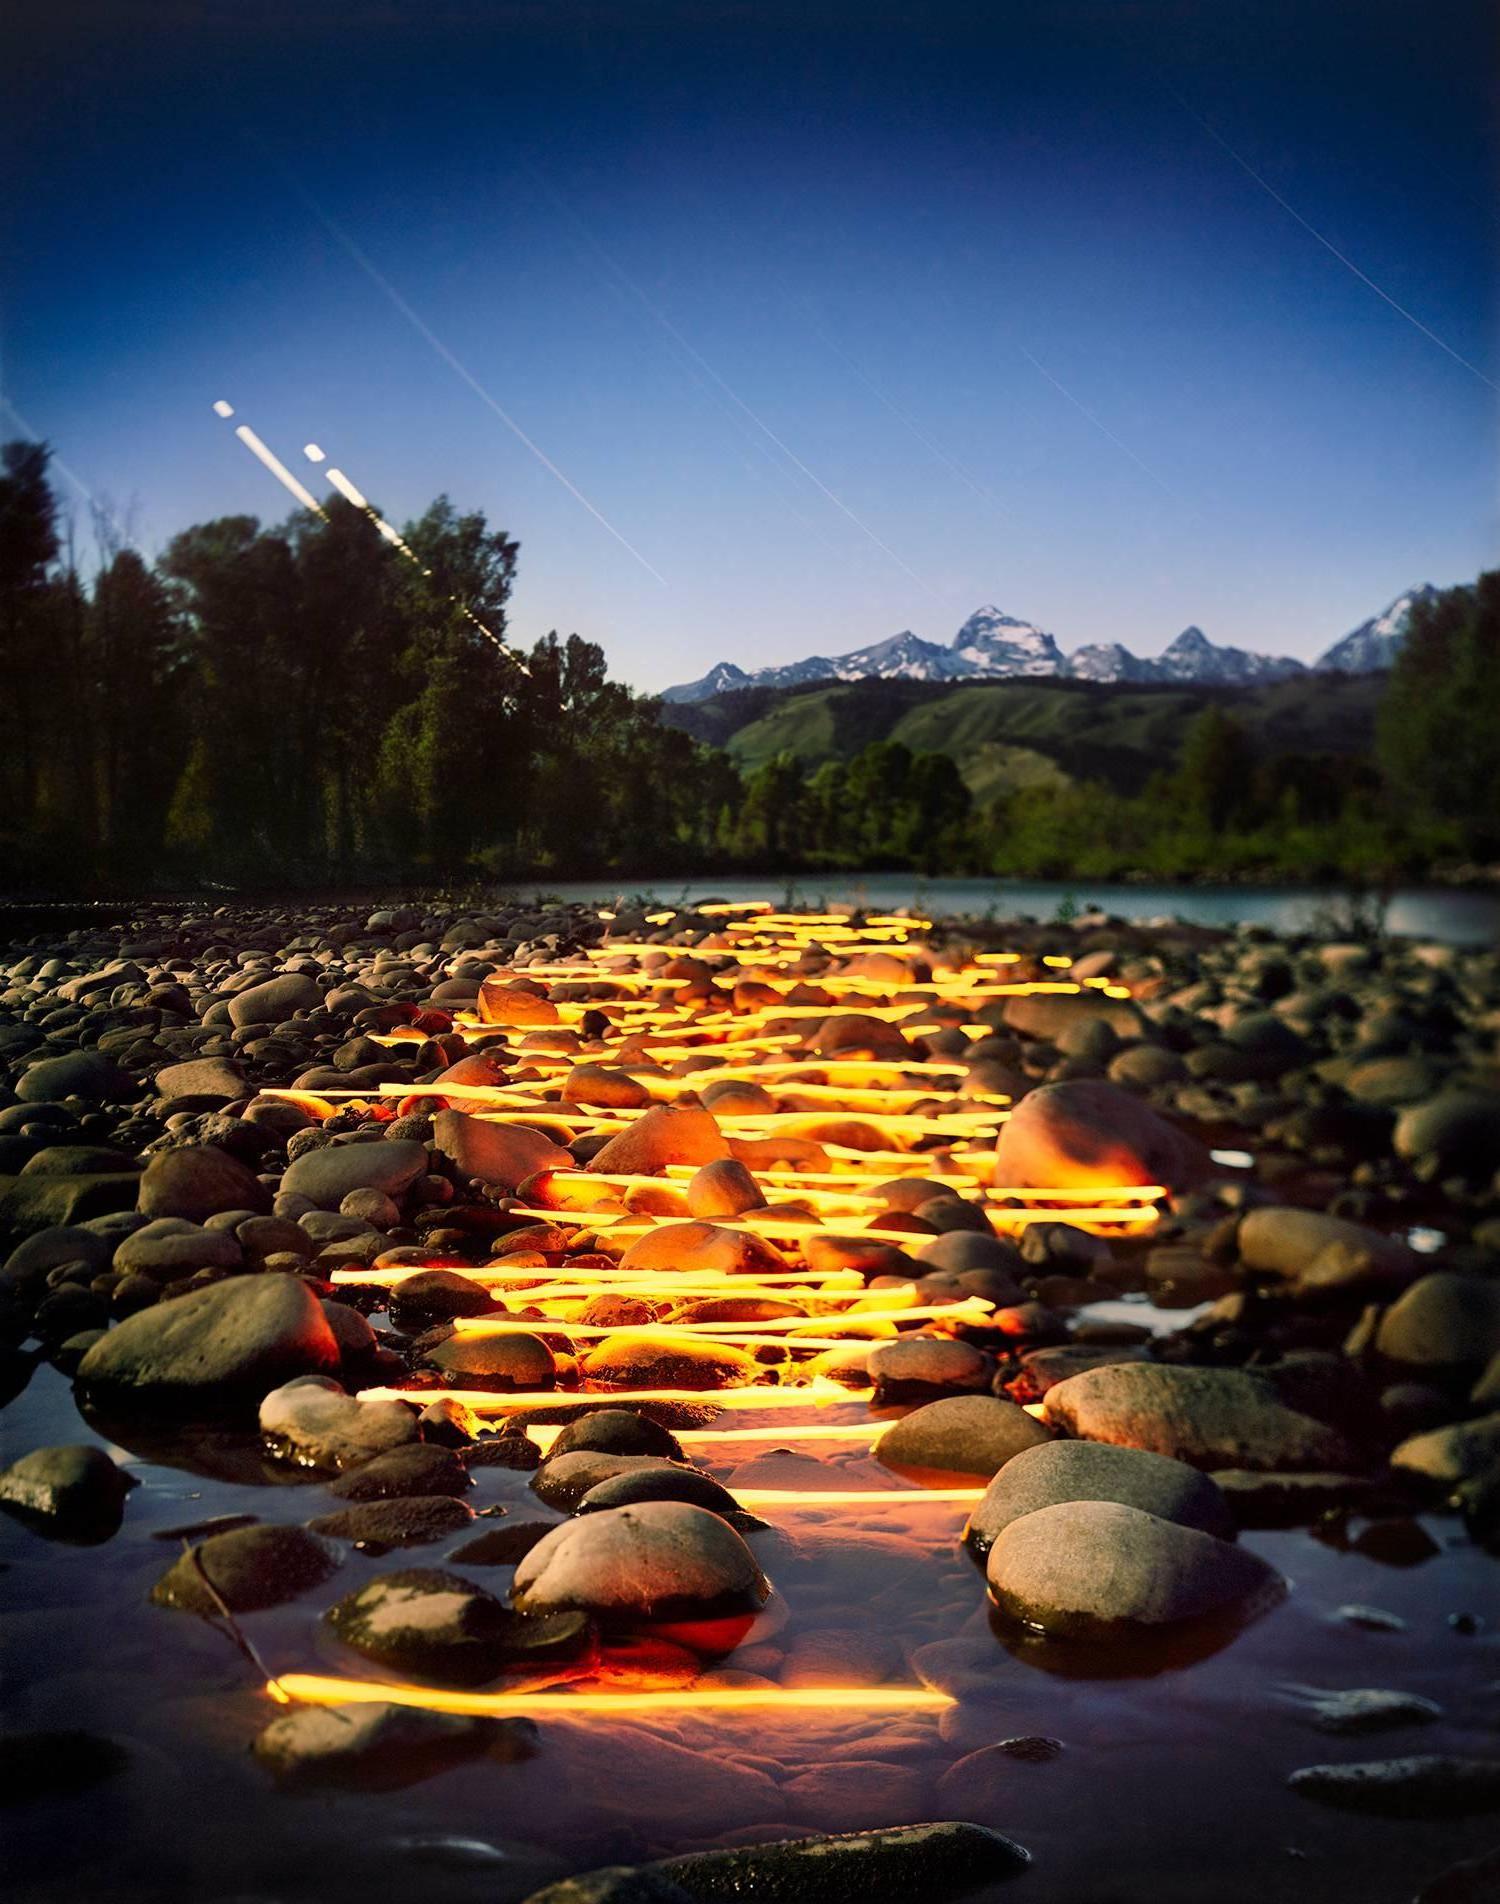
995	646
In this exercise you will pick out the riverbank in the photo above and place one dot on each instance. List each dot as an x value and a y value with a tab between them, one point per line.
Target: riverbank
1212	1211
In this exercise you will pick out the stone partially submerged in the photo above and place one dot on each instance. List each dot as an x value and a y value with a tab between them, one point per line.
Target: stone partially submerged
232	1340
1044	1476
1096	1571
1209	1417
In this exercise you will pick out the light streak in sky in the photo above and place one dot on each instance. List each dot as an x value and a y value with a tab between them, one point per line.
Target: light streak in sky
734	397
462	370
352	495
347	490
1328	245
1124	448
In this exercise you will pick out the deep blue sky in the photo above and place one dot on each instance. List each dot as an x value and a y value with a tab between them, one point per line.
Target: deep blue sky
927	192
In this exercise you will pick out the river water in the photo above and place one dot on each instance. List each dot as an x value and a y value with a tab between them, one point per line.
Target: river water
1456	916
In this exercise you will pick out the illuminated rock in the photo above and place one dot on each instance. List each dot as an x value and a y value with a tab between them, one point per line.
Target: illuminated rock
962	1434
1097	1570
75	1490
637	1360
1209	1417
605	1086
312	1422
440	1627
1044	1475
659	1560
505	1362
858	1035
928	1361
504	1002
240	1337
615	1431
724	1188
1084	1134
1280	1240
703	1247
666	1134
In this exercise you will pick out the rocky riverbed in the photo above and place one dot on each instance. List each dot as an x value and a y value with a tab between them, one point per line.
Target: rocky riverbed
493	1397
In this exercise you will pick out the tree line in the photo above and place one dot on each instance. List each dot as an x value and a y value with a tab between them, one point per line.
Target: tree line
299	704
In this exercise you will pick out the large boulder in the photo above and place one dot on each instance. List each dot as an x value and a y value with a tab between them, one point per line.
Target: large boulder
1044	1476
1209	1417
199	1181
666	1134
502	1362
962	1434
232	1340
1096	1570
1084	1133
658	1560
325	1177
504	1154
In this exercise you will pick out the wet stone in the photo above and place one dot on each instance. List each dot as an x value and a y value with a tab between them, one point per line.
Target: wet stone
412	1521
250	1568
443	1628
377	1747
412	1470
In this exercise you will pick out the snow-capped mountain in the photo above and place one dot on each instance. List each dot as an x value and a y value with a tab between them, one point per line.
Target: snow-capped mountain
992	646
1376	642
992	643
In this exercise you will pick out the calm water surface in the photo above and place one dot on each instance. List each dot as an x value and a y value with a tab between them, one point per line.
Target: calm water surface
1170	1785
1458	917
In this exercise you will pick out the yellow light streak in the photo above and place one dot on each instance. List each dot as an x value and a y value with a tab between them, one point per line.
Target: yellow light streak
324	1689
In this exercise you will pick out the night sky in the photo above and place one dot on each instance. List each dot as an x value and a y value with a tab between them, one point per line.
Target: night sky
787	294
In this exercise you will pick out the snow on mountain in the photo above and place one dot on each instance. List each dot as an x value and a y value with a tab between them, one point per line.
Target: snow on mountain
1193	657
1376	642
992	643
992	646
1107	661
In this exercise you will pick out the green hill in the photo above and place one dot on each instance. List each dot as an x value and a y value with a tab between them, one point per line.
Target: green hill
1004	735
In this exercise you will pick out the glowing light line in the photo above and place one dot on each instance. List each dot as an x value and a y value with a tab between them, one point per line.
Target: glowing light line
1328	245
325	1690
462	370
1103	428
269	460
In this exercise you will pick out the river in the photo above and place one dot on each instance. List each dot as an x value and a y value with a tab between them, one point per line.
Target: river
1454	915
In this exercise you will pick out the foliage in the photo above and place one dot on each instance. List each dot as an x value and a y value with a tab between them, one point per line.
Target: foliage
298	703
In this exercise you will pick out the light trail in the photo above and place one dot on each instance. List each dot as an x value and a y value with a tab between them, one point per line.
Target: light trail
460	369
268	459
486	1401
708	370
323	1689
1328	244
1103	428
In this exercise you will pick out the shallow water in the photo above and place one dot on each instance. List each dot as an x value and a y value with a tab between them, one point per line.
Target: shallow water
1458	917
1170	1785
